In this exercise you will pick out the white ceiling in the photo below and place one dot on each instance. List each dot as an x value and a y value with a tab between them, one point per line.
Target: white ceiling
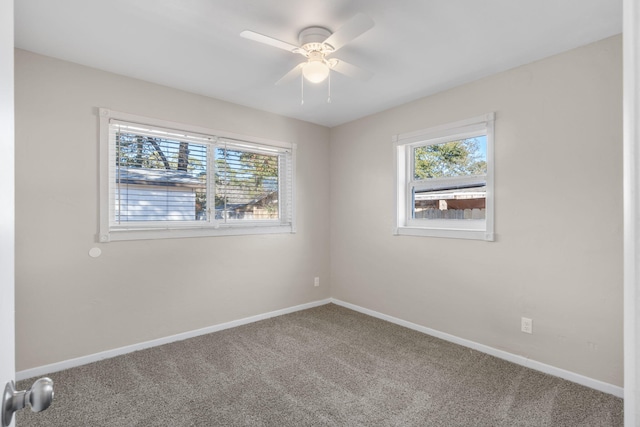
416	48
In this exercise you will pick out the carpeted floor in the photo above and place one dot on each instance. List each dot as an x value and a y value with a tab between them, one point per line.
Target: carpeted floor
326	366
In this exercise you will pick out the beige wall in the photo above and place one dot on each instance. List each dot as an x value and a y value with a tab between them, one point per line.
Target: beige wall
69	304
558	198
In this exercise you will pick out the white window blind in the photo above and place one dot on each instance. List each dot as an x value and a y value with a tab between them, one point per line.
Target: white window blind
161	179
252	183
158	175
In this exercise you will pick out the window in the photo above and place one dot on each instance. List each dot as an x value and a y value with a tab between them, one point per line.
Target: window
444	180
162	179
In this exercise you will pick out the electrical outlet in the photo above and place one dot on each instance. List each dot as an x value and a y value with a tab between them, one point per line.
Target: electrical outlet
316	281
526	325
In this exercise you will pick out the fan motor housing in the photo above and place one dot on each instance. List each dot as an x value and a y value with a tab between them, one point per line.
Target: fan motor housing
312	39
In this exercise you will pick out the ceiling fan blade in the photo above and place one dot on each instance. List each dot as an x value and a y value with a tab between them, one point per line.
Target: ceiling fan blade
251	35
295	72
349	31
350	70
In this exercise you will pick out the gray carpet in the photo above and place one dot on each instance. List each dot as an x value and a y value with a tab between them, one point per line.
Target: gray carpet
326	366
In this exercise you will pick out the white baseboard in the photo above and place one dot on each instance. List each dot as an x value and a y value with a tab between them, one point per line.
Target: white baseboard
84	360
501	354
519	360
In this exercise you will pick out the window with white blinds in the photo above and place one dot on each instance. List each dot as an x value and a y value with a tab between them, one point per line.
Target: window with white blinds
162	179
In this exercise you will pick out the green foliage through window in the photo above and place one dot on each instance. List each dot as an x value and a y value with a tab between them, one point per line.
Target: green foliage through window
450	159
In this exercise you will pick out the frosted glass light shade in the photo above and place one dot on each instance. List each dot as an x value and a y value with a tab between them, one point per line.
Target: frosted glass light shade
315	71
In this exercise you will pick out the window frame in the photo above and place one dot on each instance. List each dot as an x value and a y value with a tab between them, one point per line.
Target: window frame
405	183
108	232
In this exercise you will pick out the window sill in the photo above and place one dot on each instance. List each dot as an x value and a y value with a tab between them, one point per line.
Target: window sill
177	233
445	232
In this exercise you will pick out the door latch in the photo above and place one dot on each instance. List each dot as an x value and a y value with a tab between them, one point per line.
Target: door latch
38	397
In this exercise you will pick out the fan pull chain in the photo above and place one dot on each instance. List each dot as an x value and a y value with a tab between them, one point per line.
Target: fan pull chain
329	98
301	89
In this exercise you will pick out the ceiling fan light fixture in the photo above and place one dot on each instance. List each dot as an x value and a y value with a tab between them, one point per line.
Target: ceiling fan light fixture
316	44
315	71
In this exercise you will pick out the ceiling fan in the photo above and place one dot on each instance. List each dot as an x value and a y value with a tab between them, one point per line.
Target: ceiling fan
317	44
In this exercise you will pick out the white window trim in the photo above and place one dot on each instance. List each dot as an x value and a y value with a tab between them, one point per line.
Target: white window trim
163	230
404	225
